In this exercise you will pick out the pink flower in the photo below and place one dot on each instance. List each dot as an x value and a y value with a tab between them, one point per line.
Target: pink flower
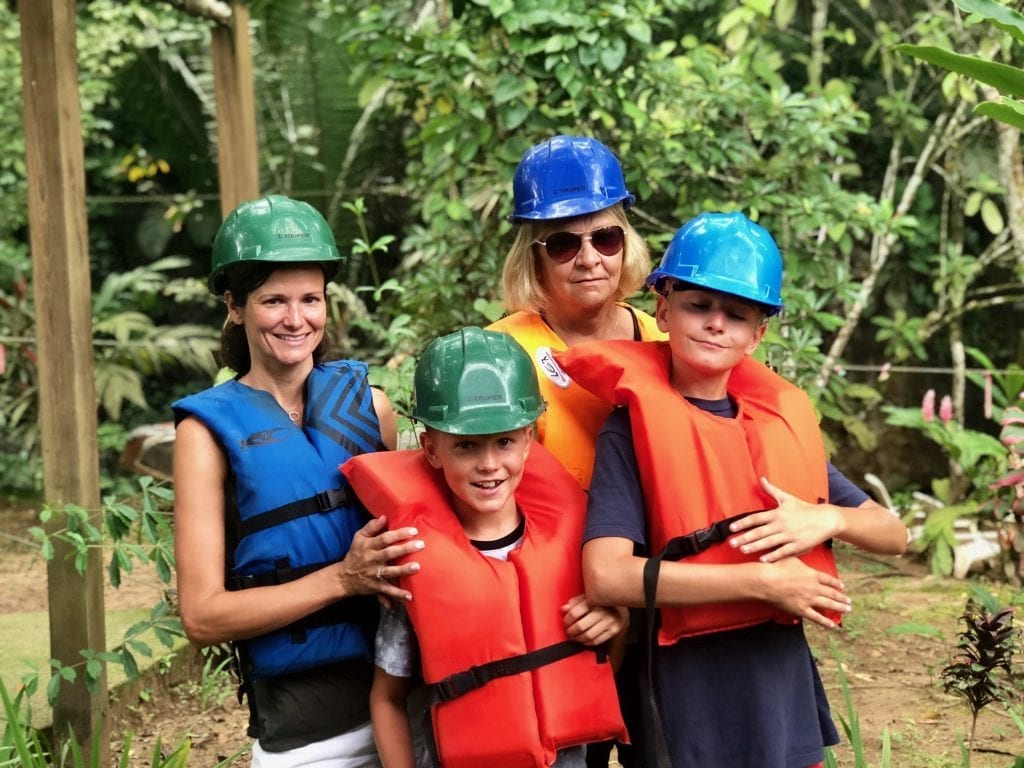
946	409
928	406
883	372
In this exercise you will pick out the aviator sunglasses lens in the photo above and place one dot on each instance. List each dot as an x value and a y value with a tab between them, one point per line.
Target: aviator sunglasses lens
562	246
608	241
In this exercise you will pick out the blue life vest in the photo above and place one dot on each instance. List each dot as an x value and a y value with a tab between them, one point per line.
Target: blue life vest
289	509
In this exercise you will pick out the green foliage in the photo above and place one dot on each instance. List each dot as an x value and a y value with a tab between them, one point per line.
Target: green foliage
850	722
21	745
131	533
18	429
131	347
1006	79
914	628
974	455
131	350
699	121
216	681
978	454
1005	386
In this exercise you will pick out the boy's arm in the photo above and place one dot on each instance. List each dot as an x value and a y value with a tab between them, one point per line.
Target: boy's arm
795	526
614	576
391	729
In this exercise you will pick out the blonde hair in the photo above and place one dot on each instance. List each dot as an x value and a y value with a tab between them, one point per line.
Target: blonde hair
520	277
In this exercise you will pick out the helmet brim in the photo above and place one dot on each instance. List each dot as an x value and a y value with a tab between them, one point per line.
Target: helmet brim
569	209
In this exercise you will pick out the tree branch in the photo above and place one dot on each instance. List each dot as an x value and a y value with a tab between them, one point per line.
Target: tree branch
882	244
819	21
1011	175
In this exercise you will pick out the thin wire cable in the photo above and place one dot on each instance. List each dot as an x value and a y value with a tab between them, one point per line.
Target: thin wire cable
839	367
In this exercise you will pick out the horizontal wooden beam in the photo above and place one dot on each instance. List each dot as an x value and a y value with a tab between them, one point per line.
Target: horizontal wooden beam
214	10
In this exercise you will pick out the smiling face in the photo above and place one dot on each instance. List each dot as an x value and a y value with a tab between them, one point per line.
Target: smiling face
709	334
284	318
482	472
590	280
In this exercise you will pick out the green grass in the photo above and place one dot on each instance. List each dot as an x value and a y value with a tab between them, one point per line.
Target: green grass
25	644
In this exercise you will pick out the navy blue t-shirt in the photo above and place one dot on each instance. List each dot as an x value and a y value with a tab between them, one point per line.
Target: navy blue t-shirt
746	698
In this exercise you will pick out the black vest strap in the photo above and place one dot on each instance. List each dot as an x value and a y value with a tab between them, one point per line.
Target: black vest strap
282	574
361	609
468	680
656	748
324	501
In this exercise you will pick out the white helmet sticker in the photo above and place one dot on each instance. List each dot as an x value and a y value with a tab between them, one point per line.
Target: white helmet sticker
551	369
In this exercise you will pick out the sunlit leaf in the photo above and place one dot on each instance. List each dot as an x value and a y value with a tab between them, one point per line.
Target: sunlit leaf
992	216
1006	79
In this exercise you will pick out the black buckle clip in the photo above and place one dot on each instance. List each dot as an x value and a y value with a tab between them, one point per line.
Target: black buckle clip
698	541
239	581
459	684
324	501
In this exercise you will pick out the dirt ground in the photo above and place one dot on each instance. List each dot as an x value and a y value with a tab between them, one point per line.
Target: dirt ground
893	674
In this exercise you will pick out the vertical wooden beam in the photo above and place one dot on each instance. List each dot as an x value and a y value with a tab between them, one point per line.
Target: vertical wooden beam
63	298
237	148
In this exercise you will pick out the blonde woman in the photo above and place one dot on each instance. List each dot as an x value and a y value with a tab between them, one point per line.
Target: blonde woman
574	261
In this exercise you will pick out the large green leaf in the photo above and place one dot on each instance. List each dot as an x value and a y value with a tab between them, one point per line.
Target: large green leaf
1002	16
1004	113
1007	80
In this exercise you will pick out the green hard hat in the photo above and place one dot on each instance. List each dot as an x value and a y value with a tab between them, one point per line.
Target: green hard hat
273	228
476	382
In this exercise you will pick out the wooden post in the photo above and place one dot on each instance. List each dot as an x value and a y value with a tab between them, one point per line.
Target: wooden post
237	149
63	299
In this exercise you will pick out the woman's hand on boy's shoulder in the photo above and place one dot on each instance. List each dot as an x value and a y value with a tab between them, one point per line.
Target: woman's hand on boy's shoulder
791	529
366	569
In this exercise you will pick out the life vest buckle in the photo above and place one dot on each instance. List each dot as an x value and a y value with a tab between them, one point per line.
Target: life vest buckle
459	684
698	541
694	543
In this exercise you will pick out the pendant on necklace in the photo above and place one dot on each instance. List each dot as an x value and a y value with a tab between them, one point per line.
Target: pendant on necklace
294	416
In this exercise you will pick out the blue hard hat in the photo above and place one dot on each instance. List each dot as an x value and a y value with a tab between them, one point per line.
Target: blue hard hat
567	176
724	252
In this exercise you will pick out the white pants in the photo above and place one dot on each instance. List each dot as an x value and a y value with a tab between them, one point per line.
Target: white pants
352	749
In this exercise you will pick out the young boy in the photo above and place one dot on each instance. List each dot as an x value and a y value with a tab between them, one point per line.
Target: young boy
511	651
708	434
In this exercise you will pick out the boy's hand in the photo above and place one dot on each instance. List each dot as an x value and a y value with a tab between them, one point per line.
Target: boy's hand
794	587
592	625
791	529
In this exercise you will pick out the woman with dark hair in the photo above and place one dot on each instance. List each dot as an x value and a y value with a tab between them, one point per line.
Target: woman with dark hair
273	554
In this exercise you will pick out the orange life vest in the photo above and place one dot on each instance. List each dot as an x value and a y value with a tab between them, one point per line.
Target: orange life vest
697	468
469	610
569	426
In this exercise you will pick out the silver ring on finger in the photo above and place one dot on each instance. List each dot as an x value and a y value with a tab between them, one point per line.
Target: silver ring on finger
380	573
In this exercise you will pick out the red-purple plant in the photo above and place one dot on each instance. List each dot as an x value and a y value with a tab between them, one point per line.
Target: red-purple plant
1010	487
984	659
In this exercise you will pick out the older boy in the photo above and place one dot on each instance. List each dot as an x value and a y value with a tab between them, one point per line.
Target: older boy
707	435
510	648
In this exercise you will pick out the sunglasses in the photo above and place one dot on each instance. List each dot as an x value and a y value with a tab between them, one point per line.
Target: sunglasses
565	246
